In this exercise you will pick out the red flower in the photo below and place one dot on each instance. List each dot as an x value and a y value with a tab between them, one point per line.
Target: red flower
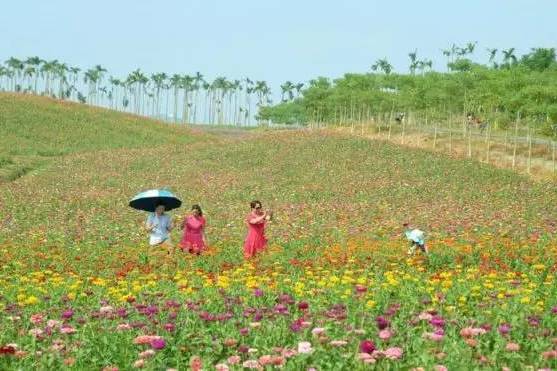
367	346
7	349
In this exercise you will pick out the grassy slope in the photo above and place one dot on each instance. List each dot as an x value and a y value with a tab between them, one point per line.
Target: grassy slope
36	129
323	188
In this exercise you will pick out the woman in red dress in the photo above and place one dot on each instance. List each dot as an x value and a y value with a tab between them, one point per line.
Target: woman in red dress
256	221
194	239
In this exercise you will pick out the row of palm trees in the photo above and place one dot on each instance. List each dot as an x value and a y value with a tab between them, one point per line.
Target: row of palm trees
453	54
177	98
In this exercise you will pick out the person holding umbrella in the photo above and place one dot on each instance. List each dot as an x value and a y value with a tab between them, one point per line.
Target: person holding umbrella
158	224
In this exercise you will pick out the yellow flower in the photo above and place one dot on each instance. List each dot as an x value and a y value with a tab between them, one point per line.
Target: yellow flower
370	304
31	300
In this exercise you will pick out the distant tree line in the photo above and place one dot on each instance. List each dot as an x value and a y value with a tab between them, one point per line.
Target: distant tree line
501	89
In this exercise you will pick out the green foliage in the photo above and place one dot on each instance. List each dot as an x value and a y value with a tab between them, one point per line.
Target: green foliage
526	86
287	113
35	129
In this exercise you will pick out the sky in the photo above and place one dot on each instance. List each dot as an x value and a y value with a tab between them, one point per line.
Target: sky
272	40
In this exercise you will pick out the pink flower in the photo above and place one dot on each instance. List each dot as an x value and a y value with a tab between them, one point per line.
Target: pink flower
36	332
287	353
469	332
110	368
318	331
385	334
170	327
434	336
145	339
512	347
266	360
221	367
53	323
106	309
123	327
393	353
338	343
252	363
158	343
551	354
425	316
234	360
303	305
147	354
36	318
139	363
367	346
304	347
366	358
66	329
440	368
278	361
67	314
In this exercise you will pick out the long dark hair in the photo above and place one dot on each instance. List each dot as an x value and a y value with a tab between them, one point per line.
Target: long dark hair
254	204
198	208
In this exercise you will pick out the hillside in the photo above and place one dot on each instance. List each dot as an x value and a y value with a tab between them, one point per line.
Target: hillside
81	289
37	129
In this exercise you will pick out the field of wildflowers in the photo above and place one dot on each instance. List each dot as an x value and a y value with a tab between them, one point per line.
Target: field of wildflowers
81	290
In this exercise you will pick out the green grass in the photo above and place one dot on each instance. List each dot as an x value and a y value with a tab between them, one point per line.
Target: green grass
38	128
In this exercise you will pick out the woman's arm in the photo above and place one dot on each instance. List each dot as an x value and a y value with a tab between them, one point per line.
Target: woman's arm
258	219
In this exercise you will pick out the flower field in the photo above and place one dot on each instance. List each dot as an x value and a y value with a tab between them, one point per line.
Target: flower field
81	290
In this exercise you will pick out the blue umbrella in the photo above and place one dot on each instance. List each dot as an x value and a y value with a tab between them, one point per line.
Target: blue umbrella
148	200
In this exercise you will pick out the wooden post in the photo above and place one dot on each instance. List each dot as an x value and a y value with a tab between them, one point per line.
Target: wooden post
515	138
435	137
403	130
390	124
488	135
529	149
469	143
553	156
362	121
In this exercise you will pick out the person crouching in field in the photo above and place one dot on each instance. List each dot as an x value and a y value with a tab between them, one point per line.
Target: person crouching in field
416	238
194	240
256	220
159	226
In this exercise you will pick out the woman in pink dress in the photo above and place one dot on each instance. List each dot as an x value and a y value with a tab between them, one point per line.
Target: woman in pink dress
256	221
194	239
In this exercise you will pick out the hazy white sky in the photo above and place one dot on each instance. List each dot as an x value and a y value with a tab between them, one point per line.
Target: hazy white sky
273	40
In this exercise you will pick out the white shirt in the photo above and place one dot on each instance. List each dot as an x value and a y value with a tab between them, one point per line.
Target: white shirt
160	232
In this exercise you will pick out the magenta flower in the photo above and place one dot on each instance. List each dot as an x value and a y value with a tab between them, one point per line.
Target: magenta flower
67	314
504	329
158	343
437	321
170	327
367	346
303	305
244	331
257	292
382	322
554	310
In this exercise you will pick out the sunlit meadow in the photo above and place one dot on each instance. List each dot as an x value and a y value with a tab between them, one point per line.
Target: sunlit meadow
80	288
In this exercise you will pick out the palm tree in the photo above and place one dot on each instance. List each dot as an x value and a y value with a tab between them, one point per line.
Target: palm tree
198	83
158	80
413	61
470	47
16	66
176	83
509	58
382	65
34	63
298	88
492	55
